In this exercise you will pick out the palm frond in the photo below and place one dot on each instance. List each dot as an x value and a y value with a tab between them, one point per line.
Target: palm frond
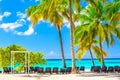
96	51
80	54
112	42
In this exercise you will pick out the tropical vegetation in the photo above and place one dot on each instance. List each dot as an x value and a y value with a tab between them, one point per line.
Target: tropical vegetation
49	11
95	26
100	23
19	58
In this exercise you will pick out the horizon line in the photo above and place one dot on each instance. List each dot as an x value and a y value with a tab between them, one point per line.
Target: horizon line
85	59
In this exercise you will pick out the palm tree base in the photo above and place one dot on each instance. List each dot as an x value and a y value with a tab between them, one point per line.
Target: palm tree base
74	71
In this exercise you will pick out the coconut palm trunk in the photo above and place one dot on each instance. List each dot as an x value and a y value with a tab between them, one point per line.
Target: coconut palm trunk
62	50
74	70
91	57
102	57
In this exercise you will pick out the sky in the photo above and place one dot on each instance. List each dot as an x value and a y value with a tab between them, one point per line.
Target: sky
15	28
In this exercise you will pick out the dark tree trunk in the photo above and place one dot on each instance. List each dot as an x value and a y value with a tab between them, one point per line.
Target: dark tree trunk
62	50
92	57
102	57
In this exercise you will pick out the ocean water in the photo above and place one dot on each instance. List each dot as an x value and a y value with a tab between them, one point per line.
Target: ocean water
87	63
84	62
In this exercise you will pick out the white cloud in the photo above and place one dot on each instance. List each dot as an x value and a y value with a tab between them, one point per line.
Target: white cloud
26	33
5	14
37	0
12	26
66	23
21	15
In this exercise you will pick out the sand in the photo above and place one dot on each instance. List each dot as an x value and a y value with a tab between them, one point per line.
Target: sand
81	76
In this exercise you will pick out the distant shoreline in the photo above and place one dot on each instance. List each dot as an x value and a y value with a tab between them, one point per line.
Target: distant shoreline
88	59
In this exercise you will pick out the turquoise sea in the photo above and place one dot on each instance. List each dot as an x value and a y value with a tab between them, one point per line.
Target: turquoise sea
84	62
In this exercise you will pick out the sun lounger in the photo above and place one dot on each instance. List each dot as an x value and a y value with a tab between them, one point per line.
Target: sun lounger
36	69
5	70
55	70
92	68
116	68
40	70
62	70
68	70
119	69
97	69
77	68
82	68
104	69
48	70
31	69
110	69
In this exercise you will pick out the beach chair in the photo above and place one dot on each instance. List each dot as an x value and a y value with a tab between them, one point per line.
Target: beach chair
31	70
116	68
36	69
104	69
5	70
55	70
97	69
82	68
62	70
68	70
9	69
40	70
110	69
48	70
92	69
77	68
119	69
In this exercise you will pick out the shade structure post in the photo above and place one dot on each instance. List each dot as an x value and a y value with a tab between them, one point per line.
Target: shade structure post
27	57
13	63
28	62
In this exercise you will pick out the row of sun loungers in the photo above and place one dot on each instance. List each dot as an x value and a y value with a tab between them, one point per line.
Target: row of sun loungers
67	70
55	70
47	70
105	69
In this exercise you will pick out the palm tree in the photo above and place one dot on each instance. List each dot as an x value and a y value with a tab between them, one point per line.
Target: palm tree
51	13
77	8
85	40
74	70
98	9
94	17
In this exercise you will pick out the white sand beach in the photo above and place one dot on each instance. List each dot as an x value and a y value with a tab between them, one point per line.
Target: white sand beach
82	76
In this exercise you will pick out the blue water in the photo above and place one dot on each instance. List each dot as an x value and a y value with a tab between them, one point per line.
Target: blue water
84	62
